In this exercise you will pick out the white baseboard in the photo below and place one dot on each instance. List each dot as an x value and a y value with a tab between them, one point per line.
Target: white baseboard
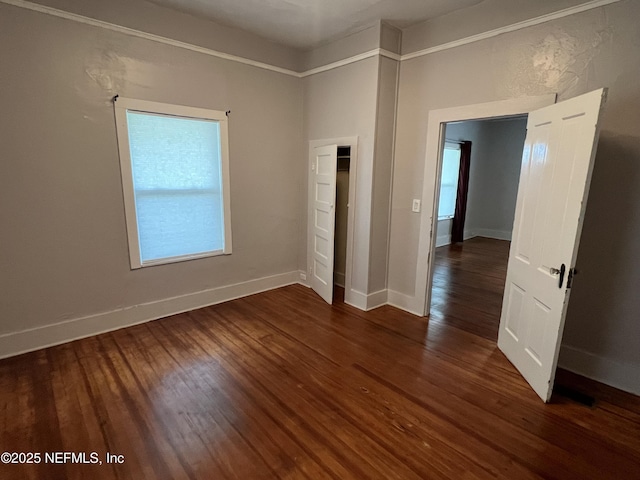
383	297
303	278
404	302
468	235
488	233
624	376
482	232
376	299
339	279
356	299
365	302
49	335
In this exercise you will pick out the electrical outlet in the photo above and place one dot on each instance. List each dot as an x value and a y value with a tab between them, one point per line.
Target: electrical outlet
416	205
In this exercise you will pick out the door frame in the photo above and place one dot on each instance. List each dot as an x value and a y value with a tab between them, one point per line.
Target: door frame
432	172
341	142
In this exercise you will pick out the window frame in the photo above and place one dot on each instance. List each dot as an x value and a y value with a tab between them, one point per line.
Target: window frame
448	146
121	107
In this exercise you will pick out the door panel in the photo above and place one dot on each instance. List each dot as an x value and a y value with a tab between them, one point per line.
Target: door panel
323	174
515	305
554	183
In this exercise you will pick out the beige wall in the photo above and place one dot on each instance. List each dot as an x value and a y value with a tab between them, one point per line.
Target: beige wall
371	37
63	248
569	56
359	100
390	38
342	103
383	174
477	19
151	18
363	40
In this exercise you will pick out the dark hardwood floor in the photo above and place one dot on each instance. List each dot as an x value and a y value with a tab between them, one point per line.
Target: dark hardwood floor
468	283
281	385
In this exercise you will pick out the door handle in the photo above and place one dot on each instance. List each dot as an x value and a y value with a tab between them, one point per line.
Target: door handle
560	272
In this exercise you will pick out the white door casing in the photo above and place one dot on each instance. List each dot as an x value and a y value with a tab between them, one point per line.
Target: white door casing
323	197
419	304
557	163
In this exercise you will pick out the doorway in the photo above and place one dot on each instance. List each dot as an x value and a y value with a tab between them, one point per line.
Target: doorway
341	221
559	153
480	167
420	304
331	216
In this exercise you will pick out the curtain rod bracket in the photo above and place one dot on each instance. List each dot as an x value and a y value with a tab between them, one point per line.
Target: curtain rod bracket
115	97
227	112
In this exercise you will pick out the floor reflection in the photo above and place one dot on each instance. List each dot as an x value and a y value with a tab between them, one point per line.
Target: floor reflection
468	283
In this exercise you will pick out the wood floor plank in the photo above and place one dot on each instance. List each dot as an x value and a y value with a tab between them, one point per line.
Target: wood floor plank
281	385
296	419
281	451
468	283
351	402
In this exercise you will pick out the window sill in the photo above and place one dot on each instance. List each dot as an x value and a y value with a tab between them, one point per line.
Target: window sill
181	258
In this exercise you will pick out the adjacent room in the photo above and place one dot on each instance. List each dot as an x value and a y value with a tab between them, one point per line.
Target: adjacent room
479	181
305	240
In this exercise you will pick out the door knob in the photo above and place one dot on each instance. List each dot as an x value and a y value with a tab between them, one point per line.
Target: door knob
561	271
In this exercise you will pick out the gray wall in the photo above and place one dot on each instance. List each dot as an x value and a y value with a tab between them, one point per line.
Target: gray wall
383	174
359	100
477	19
158	20
377	35
63	248
361	41
569	56
340	103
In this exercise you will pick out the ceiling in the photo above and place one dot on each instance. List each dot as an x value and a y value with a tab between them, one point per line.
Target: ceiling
306	24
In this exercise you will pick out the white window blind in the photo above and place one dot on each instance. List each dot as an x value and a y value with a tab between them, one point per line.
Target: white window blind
449	182
174	174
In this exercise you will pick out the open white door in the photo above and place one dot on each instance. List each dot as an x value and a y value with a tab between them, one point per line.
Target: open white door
323	199
554	184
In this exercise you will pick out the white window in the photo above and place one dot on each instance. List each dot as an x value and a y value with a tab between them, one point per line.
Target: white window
175	175
449	182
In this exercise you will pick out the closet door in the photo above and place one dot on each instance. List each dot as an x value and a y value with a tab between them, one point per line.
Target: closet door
322	215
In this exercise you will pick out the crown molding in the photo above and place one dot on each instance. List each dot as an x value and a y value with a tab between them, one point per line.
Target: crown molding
147	36
511	28
356	58
590	5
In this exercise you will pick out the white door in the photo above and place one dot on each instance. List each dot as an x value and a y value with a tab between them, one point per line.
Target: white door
323	215
556	171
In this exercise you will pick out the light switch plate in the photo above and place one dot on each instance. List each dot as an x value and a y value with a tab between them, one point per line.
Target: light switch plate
416	205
